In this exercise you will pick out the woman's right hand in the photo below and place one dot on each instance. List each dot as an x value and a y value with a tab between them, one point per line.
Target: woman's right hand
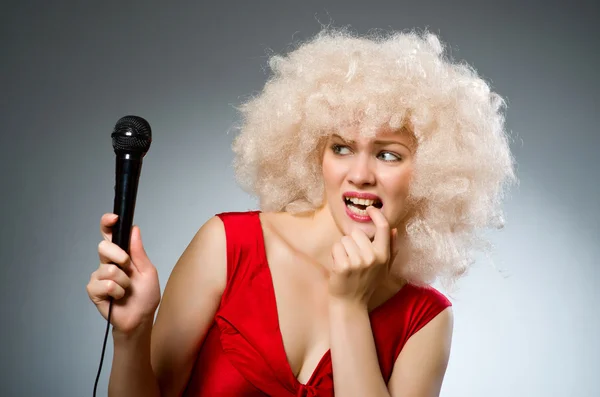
134	286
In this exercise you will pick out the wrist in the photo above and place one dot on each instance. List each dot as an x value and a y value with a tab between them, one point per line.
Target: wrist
141	334
346	306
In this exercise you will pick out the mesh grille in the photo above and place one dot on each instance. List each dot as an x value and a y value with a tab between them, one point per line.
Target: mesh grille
132	133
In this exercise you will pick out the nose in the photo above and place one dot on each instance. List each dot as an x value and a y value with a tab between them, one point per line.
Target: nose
361	172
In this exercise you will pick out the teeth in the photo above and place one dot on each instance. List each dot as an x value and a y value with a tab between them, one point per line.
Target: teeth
360	201
357	211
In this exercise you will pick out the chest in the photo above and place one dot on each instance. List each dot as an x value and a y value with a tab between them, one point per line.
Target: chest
302	311
301	296
300	286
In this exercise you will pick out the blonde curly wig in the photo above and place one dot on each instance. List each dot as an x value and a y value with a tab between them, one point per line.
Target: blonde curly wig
403	80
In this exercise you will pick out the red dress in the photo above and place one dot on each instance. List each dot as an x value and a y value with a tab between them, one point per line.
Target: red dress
243	353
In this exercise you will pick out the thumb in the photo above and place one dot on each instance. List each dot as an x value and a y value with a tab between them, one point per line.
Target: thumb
137	252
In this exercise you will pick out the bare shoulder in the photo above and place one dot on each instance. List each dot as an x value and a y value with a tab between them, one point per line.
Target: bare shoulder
209	242
421	365
204	259
189	303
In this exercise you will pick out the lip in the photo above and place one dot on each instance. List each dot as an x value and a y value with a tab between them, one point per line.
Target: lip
361	195
357	218
367	196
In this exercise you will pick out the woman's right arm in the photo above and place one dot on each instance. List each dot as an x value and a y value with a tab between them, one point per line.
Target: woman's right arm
155	360
190	301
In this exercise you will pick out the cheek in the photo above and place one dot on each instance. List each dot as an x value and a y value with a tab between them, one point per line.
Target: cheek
397	185
332	174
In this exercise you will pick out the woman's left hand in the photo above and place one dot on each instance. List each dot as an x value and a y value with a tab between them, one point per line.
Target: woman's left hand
359	264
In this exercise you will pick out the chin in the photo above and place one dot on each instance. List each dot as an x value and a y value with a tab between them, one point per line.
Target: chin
348	224
368	229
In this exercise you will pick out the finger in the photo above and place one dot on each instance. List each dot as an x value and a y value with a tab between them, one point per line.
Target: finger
112	272
139	257
341	261
107	221
381	242
395	245
364	245
111	253
99	290
352	251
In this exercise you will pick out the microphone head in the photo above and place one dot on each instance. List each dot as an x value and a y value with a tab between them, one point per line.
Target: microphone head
132	134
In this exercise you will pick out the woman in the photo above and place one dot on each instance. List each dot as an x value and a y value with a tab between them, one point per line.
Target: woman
377	162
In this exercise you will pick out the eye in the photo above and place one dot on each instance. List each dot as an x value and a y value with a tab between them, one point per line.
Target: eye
339	149
389	156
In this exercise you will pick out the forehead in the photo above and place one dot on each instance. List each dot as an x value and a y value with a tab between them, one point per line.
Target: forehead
401	135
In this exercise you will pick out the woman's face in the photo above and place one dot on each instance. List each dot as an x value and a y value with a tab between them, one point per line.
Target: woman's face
367	171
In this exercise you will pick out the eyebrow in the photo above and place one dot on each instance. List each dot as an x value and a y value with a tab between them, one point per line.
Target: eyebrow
377	142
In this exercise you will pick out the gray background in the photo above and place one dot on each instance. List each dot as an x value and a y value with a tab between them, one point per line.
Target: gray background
70	70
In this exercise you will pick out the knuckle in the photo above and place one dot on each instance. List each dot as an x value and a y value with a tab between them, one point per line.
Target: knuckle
356	262
92	290
119	293
91	294
104	247
111	270
110	285
342	269
121	258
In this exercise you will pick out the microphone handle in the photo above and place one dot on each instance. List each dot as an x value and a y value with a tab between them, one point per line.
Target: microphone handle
127	175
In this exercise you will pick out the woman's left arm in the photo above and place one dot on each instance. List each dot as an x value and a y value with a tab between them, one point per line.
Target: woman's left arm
419	369
421	365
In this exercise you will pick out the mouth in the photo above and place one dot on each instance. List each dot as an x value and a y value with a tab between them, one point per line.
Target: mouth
357	203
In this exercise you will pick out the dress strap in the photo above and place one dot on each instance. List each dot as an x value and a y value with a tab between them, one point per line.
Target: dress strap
245	246
401	317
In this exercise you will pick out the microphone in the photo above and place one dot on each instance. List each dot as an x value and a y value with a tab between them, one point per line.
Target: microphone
131	139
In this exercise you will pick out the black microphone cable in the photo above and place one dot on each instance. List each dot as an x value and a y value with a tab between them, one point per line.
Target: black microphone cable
110	305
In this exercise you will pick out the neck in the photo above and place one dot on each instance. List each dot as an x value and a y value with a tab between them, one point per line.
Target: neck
318	232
